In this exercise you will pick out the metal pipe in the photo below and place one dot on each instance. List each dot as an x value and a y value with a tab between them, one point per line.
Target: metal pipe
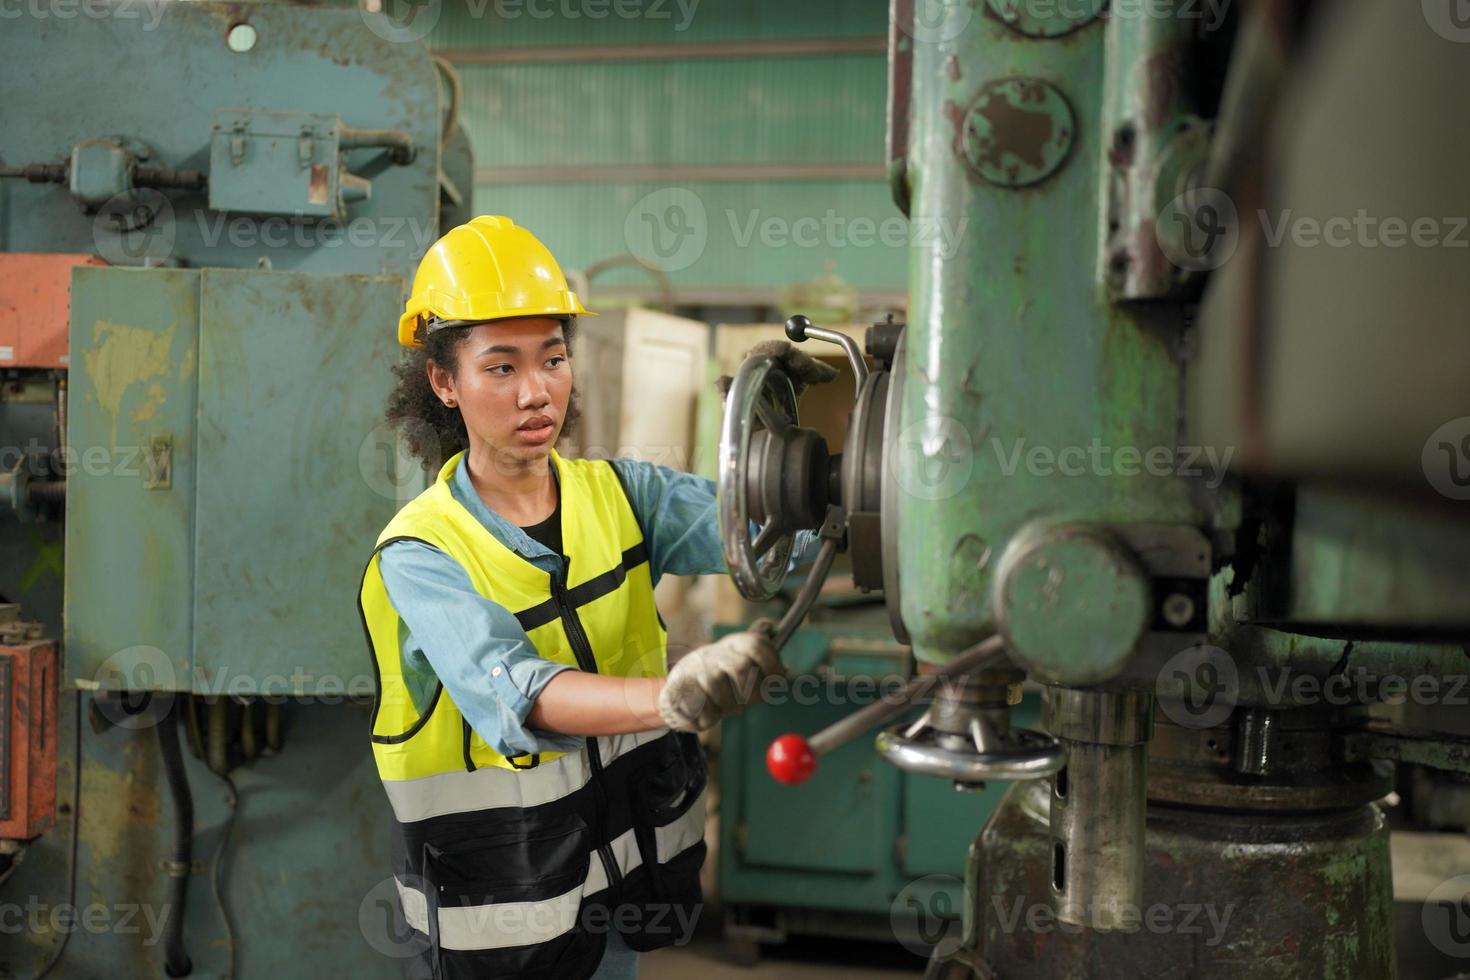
273	726
180	864
396	141
1098	806
216	741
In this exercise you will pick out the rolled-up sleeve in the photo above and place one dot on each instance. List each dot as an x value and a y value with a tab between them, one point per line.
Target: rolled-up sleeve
680	517
475	647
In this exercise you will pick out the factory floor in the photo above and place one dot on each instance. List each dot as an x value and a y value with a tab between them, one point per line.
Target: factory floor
800	959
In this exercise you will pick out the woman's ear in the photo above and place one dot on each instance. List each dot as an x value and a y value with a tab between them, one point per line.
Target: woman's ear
442	382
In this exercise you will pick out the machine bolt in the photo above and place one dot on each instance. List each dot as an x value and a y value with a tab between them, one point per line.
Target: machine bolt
1178	610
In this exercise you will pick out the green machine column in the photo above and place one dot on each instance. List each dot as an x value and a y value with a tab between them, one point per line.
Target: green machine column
1031	401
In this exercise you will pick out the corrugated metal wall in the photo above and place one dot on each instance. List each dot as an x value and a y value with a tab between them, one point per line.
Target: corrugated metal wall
766	111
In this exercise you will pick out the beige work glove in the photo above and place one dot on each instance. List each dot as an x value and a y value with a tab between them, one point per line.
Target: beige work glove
718	679
800	367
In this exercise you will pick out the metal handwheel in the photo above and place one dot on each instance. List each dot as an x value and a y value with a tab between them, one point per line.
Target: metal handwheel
760	418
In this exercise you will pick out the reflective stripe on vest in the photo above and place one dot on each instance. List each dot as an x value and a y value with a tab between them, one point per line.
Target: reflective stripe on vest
616	824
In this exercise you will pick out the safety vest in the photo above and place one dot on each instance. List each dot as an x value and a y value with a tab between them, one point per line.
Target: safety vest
518	867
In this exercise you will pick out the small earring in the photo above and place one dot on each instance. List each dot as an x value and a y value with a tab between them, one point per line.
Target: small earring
449	403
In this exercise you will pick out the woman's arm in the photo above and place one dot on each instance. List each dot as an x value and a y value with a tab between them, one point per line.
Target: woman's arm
679	514
579	703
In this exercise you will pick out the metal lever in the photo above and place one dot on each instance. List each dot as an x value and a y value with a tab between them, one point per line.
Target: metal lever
799	328
793	758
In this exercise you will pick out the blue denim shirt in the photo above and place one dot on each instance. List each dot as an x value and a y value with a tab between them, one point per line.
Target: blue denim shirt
477	648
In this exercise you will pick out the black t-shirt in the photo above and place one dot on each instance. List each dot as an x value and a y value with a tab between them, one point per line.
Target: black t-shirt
548	532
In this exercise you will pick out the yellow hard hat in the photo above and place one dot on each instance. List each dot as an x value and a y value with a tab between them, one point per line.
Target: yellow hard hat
486	269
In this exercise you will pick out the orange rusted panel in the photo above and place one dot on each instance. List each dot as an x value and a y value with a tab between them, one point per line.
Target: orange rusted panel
28	709
34	305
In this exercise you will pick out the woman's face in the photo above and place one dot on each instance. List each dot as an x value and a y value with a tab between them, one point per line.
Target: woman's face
512	383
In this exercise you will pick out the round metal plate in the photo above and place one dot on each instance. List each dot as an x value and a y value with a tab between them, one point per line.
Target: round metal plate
1017	132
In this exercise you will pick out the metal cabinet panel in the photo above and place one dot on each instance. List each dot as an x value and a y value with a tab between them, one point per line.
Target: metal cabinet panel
293	373
129	533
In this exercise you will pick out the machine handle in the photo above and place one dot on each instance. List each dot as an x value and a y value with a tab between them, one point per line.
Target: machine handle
799	328
792	759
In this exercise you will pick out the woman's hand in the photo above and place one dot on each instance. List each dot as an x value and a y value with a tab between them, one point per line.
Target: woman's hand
717	680
800	367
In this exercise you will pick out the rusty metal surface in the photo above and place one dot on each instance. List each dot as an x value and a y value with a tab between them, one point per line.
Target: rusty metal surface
1017	132
28	744
34	304
1227	897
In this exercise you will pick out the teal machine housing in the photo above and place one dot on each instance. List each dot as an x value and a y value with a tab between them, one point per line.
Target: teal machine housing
260	181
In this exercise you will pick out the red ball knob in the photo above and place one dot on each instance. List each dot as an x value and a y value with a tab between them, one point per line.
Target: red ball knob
791	760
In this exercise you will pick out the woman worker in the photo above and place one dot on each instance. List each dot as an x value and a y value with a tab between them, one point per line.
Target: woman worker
546	786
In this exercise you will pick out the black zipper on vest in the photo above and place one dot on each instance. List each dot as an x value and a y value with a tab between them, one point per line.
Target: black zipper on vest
582	647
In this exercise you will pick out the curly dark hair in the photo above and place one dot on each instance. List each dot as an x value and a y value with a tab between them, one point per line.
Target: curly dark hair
432	431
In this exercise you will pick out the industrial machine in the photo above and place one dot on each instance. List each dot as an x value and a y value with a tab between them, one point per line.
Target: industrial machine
203	254
1148	441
